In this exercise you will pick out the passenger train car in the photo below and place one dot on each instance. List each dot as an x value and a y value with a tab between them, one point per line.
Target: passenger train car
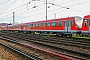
86	26
61	26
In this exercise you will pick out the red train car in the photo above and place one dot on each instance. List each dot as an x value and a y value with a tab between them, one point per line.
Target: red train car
13	27
86	25
61	26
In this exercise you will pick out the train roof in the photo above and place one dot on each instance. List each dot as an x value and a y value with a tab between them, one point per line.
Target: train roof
87	17
58	19
67	18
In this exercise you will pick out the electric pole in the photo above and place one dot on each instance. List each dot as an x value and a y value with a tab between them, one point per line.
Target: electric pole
46	9
55	15
13	18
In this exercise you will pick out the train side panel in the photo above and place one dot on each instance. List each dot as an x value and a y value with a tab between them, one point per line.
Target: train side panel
66	26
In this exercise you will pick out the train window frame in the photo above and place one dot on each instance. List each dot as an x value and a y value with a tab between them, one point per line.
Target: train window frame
48	24
72	22
67	23
85	22
11	26
30	25
60	23
36	25
54	23
44	24
17	26
41	24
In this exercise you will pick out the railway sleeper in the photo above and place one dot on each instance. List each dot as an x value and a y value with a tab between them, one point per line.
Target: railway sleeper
29	55
69	51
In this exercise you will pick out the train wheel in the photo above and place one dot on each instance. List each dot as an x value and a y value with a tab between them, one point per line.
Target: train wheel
70	35
61	34
67	35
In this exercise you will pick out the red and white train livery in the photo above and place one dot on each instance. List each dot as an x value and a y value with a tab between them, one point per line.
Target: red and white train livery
85	29
61	26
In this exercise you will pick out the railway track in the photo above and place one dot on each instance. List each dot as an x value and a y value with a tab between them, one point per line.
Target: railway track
48	52
69	42
34	54
26	54
40	42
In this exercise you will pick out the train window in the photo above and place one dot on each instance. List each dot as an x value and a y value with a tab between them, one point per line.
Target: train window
30	25
17	26
85	22
60	23
53	23
11	27
36	25
72	23
41	24
67	23
44	24
48	24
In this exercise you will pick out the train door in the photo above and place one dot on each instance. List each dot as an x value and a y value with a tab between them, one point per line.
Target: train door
86	27
67	26
23	27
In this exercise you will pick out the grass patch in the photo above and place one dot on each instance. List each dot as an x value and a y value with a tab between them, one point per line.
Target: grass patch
48	34
1	59
80	37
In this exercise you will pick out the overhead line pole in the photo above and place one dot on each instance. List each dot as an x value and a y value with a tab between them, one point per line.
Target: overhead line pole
13	18
46	9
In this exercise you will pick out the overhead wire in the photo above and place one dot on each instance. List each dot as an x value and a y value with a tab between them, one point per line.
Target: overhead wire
10	5
36	14
42	8
62	3
44	12
74	5
67	6
36	6
4	2
12	16
39	13
20	6
50	15
22	11
16	8
29	6
31	10
32	15
79	3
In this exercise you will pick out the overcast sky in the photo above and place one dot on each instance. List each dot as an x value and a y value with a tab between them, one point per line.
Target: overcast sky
35	10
